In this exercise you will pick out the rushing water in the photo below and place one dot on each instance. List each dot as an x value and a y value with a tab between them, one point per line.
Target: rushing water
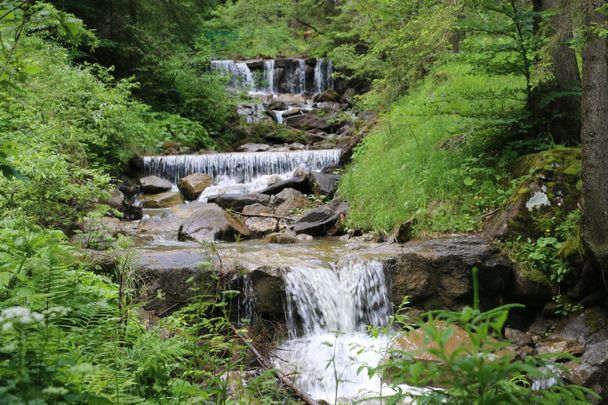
329	309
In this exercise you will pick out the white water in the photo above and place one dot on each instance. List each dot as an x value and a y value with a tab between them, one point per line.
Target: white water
328	313
241	78
243	167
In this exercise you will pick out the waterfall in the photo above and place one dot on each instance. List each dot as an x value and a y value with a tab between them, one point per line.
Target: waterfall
270	77
301	76
344	299
240	167
239	75
328	309
323	76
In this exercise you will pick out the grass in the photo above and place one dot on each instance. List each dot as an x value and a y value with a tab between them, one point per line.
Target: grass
429	156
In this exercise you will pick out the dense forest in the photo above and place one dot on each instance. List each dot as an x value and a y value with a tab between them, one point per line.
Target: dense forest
438	166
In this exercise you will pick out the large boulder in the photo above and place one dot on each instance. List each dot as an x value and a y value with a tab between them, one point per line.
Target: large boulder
154	185
212	223
318	221
162	200
324	183
550	192
169	279
437	273
237	202
193	185
308	122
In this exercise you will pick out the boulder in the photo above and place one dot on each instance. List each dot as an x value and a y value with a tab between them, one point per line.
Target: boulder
284	195
169	279
253	147
307	122
299	183
154	185
161	200
289	200
437	274
324	183
211	223
261	226
269	292
116	200
237	202
349	96
318	221
583	334
193	185
552	191
329	95
166	225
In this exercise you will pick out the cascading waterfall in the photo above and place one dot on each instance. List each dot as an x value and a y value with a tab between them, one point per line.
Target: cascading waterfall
239	75
328	310
244	166
267	82
323	76
270	76
240	172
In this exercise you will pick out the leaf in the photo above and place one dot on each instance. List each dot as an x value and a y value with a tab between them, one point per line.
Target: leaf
71	26
469	181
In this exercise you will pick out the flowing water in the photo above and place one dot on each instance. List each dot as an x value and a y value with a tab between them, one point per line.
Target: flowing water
329	310
240	172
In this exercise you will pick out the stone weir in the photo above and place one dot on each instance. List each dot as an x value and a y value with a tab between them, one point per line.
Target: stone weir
277	76
240	167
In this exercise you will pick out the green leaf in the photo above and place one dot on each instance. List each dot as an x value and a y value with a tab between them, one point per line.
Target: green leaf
31	69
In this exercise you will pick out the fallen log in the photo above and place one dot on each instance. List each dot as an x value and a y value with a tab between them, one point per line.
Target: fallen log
279	374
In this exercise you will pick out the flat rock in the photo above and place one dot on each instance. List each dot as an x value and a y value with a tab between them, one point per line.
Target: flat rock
193	185
318	221
212	223
154	185
161	200
284	238
237	202
261	226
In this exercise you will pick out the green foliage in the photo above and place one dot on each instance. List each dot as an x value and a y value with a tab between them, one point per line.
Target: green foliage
252	28
430	156
546	259
480	371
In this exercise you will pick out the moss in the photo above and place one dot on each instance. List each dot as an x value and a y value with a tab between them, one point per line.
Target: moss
263	132
570	248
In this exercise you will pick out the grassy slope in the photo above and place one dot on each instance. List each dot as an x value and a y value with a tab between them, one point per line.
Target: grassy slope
426	157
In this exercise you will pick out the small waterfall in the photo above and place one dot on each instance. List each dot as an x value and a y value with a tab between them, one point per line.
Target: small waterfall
272	84
345	299
239	75
323	76
328	310
240	167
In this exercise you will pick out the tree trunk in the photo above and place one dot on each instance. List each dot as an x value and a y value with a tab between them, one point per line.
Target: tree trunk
594	139
563	113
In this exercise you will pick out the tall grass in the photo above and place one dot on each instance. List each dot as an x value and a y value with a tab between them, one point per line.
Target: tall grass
429	157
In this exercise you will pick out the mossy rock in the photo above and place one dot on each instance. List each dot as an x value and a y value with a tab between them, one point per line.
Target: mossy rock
271	133
548	192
